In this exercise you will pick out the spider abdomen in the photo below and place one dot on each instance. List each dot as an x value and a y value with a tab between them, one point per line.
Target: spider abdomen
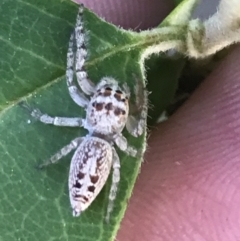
89	170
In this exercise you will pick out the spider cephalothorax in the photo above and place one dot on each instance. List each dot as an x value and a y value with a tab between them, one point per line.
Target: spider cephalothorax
108	108
107	113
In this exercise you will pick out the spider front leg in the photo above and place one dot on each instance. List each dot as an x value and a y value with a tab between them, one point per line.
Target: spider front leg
78	97
114	185
122	143
62	152
136	122
81	53
57	121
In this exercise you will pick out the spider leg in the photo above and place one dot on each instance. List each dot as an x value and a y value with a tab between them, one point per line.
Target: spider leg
81	53
122	143
62	152
57	121
78	97
136	122
114	185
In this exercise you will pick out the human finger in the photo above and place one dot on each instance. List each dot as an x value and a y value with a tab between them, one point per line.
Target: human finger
188	185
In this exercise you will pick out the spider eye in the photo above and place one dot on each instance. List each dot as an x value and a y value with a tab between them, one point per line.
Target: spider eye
108	88
119	91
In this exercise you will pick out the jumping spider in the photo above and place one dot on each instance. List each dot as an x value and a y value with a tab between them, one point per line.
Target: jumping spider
107	113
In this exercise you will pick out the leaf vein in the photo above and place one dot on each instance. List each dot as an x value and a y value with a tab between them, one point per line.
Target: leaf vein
44	12
101	40
61	219
22	98
31	53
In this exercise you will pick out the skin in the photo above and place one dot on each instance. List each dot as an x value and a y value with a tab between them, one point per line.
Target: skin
188	186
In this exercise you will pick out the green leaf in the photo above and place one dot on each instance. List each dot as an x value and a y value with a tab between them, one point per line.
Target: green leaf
34	38
181	14
162	84
163	72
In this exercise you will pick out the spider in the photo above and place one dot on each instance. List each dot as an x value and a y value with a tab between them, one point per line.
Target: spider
107	113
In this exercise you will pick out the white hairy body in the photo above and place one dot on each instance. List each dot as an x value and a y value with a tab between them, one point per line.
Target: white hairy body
107	113
92	158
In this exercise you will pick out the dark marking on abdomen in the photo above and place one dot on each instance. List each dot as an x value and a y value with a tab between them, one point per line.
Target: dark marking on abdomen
94	179
91	188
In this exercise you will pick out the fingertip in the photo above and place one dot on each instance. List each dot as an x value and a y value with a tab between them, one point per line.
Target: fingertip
135	14
187	185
